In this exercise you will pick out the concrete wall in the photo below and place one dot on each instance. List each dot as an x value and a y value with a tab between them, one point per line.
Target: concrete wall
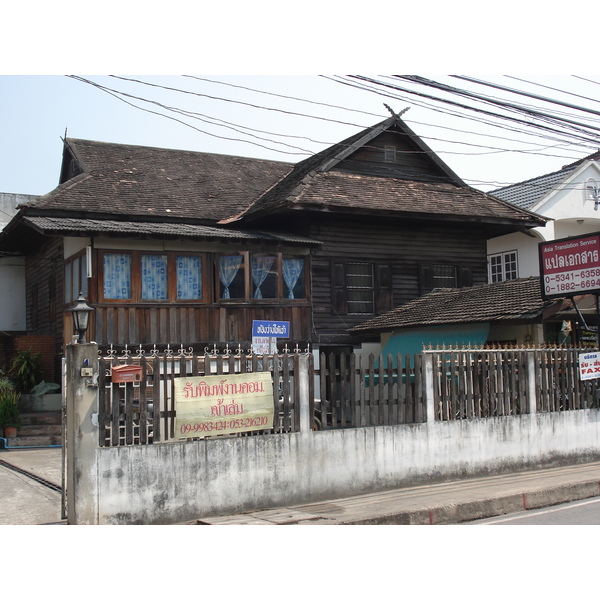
178	482
182	481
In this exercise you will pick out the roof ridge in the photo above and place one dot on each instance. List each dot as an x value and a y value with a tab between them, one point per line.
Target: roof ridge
165	149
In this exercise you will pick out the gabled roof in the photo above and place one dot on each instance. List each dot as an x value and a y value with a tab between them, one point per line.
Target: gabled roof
516	300
315	185
526	194
119	179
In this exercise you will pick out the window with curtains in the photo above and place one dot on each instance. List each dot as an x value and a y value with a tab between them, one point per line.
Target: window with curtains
258	277
138	276
152	276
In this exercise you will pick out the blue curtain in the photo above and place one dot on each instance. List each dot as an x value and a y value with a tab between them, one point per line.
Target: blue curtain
292	269
189	278
228	268
261	266
117	276
154	277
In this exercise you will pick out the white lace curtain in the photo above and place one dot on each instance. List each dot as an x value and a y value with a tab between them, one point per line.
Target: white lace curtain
292	269
228	268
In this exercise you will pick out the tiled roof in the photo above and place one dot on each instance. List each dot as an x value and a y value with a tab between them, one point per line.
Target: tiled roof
345	191
314	184
121	179
527	194
515	300
66	226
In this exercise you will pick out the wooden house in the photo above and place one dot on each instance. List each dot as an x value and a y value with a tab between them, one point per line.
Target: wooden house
176	247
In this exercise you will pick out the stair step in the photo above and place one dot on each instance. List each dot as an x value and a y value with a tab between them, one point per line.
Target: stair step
41	429
37	441
41	418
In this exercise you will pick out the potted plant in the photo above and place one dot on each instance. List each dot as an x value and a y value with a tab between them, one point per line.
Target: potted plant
10	417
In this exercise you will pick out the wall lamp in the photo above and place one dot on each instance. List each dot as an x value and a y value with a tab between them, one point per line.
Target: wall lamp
81	317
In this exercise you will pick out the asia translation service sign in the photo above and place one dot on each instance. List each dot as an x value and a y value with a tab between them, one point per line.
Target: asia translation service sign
570	266
221	404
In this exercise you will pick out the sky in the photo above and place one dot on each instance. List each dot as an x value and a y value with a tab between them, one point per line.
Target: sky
296	55
36	111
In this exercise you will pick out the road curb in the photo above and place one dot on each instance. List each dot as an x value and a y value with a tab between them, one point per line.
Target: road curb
481	509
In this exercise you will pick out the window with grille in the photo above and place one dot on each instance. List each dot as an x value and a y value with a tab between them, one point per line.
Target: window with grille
360	288
444	276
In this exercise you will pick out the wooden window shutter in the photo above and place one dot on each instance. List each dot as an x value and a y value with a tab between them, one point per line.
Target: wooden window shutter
465	277
339	298
425	279
383	298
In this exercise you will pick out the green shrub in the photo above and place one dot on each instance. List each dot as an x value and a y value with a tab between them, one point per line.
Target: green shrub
9	404
25	370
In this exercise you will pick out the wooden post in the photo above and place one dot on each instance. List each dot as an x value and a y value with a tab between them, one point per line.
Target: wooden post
531	384
304	394
428	387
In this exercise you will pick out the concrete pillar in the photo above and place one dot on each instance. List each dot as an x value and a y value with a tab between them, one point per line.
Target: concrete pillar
82	433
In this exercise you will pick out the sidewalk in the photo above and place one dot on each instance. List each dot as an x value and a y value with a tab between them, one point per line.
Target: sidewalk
437	504
30	482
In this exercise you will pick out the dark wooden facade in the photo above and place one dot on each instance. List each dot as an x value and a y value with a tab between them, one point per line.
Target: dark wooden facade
400	253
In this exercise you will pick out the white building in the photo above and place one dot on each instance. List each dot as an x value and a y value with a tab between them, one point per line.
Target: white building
570	197
12	271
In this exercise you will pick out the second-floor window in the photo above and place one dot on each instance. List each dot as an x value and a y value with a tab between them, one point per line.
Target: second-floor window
246	276
152	276
503	266
137	276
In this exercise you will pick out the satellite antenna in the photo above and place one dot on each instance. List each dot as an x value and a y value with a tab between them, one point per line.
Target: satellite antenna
592	192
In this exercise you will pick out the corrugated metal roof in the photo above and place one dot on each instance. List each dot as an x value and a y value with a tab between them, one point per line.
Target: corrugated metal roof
66	226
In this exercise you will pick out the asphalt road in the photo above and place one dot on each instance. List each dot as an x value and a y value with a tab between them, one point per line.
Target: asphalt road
581	512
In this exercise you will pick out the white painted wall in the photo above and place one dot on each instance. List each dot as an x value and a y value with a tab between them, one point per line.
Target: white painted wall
571	212
179	482
12	299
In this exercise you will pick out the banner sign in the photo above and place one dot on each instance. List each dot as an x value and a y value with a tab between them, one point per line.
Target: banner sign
222	404
570	266
269	329
589	365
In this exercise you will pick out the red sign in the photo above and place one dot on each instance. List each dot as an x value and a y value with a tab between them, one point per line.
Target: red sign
570	266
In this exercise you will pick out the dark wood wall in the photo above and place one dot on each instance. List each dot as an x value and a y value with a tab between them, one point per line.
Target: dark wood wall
44	290
404	247
410	162
191	326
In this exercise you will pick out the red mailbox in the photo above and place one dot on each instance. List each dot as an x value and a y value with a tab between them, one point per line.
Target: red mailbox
126	373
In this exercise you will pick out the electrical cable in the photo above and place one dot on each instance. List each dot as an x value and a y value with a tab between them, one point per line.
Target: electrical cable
574	133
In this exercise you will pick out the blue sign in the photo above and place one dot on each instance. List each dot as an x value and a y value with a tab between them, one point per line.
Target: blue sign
271	329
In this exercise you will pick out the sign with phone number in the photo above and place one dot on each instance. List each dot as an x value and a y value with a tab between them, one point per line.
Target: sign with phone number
570	266
223	404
